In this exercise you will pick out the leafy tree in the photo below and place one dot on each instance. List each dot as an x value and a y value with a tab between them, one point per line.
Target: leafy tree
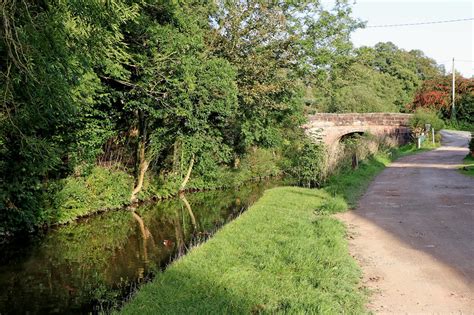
374	79
437	94
277	48
410	68
48	52
173	89
181	96
362	89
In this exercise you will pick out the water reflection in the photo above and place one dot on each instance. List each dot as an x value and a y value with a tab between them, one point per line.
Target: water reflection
91	265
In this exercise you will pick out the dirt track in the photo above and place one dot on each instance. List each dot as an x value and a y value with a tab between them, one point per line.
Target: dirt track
413	234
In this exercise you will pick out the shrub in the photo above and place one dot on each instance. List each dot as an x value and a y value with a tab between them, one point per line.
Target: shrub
308	164
102	188
422	117
260	163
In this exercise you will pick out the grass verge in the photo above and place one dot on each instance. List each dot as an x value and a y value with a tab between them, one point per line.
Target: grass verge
468	169
459	125
280	256
411	148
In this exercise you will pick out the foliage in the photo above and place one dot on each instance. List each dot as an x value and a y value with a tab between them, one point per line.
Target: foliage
410	68
362	89
375	79
459	125
101	189
437	94
150	88
260	163
308	163
422	117
275	48
48	54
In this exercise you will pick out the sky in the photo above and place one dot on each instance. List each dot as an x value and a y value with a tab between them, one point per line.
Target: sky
441	42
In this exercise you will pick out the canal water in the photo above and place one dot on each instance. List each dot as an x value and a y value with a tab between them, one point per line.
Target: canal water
96	263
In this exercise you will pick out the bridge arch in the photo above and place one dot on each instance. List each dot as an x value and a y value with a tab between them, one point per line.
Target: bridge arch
350	135
330	128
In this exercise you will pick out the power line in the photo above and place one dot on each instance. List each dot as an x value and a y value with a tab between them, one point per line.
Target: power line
420	23
457	60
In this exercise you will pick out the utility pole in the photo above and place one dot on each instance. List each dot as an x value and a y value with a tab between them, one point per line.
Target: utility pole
453	110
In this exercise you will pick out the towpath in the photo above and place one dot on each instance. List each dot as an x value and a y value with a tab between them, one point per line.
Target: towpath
413	233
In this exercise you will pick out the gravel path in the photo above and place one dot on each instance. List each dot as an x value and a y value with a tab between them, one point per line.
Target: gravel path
413	233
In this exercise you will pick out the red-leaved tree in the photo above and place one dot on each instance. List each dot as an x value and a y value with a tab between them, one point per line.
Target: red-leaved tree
437	94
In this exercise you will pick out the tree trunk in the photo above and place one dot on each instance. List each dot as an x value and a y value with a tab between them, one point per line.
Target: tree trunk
188	174
141	156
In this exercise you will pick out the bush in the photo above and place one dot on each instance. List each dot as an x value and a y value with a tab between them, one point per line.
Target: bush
308	164
422	117
460	125
260	163
101	189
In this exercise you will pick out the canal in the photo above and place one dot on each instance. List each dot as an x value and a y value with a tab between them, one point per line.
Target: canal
93	265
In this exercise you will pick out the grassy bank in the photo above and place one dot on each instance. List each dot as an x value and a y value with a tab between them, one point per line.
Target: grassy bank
468	169
105	188
280	256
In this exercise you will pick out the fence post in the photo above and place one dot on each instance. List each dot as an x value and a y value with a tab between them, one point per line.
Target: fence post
433	135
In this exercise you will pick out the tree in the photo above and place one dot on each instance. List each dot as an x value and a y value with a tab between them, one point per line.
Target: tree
178	95
277	48
49	51
362	89
409	68
437	94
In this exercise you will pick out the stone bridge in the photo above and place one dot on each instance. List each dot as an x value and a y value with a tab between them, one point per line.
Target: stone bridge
331	128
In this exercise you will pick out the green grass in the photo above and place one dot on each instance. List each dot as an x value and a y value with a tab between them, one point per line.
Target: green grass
281	256
411	148
468	169
350	185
